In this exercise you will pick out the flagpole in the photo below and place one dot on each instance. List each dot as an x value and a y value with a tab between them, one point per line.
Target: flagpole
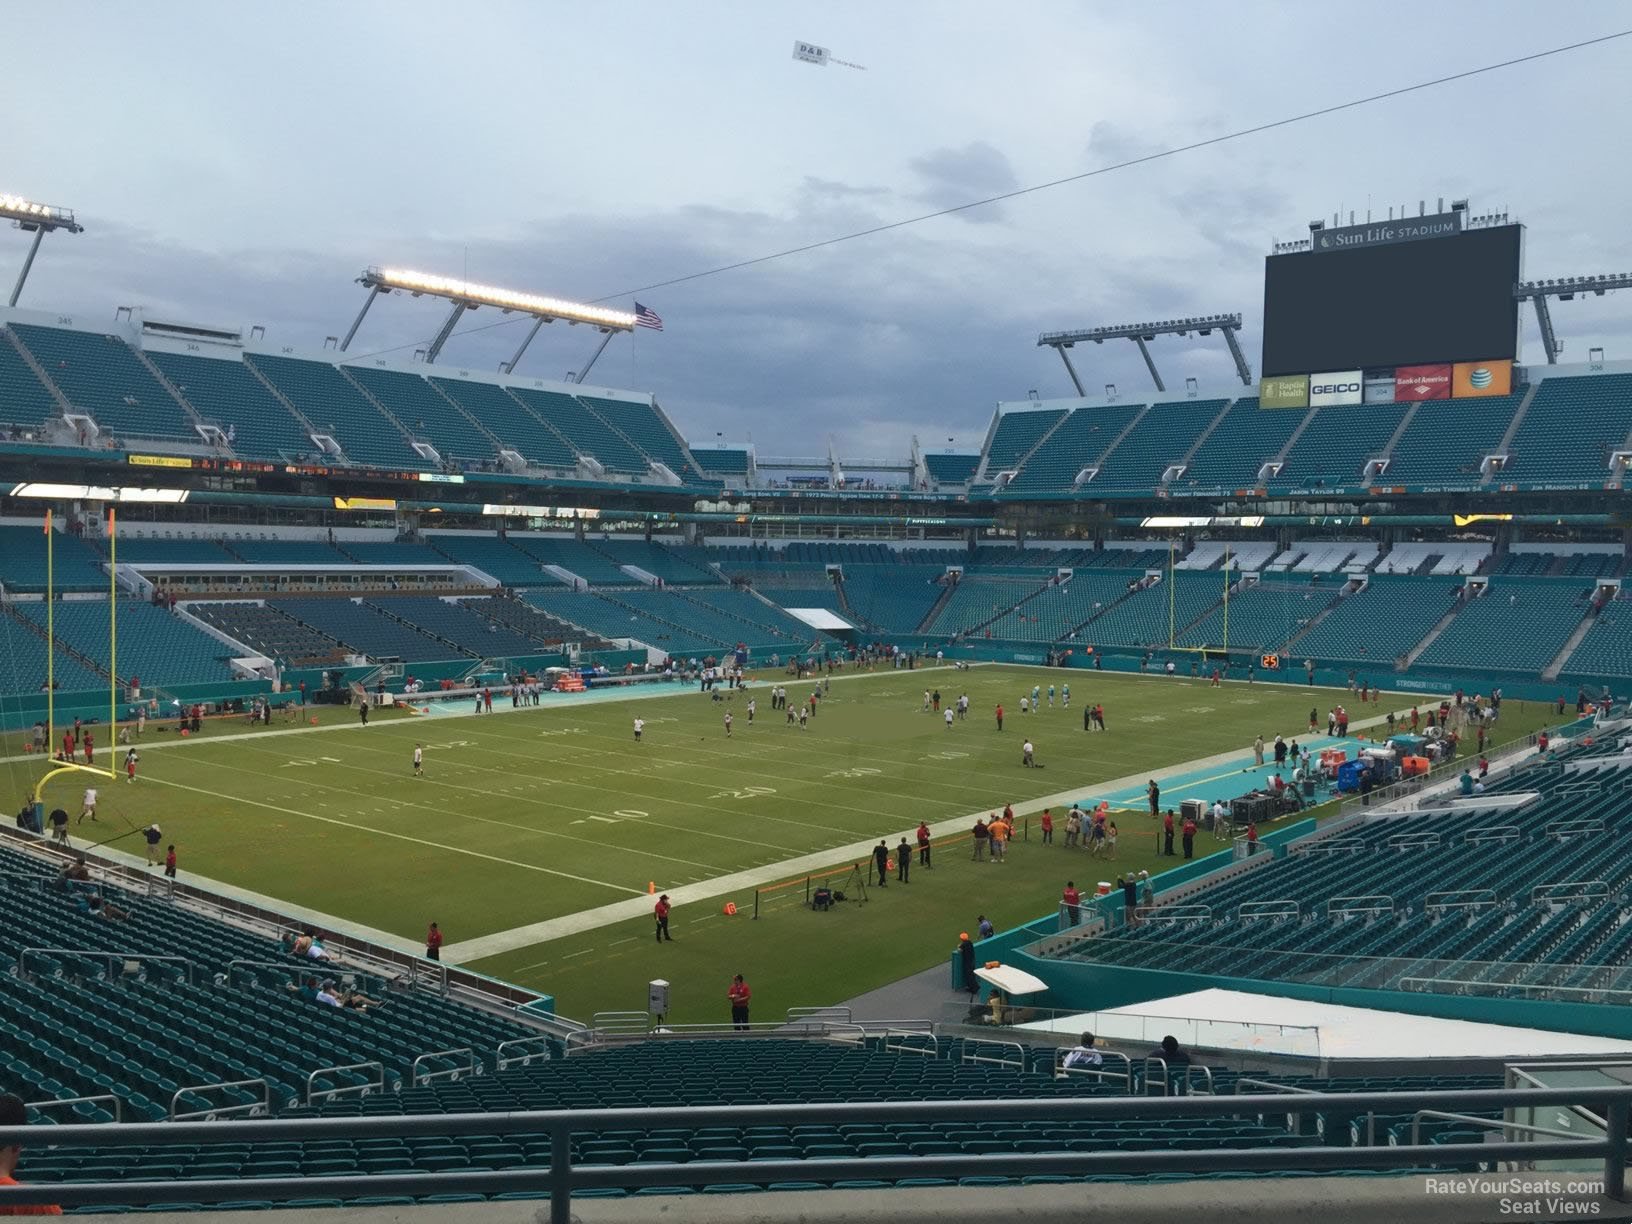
50	640
113	639
1226	602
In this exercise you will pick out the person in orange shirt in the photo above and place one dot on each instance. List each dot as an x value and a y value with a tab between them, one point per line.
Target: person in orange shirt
998	831
12	1113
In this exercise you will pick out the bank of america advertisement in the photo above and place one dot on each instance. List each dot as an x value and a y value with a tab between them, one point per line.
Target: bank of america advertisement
1423	382
1341	387
1285	391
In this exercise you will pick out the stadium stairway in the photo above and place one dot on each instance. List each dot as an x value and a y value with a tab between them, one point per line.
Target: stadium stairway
937	607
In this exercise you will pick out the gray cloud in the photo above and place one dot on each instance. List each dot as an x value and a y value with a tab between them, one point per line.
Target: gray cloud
956	176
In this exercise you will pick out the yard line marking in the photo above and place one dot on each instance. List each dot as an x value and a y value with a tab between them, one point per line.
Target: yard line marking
419	841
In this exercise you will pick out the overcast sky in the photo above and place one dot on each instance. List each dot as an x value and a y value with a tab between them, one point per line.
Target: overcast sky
236	164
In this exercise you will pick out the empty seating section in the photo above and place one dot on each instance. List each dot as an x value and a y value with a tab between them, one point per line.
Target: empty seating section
895	598
24	399
22	660
645	425
134	551
1516	625
727	606
1447	441
675	564
1017	433
1570	431
525	618
366	630
76	565
1419	557
102	377
612	620
287	552
1590	565
270	632
698	623
454	622
154	645
225	393
1379	623
327	399
502	415
1246	438
1330	556
951	469
1334	448
1261	616
493	556
403	554
1055	611
577	556
978	598
1146	617
1607	648
1518	944
587	432
425	413
1163	436
722	461
1078	443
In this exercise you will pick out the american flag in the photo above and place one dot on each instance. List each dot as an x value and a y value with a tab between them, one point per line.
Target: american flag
647	318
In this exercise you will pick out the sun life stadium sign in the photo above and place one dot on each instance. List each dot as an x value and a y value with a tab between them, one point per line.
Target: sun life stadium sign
1382	233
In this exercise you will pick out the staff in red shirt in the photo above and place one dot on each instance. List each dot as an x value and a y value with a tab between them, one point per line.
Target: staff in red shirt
660	912
739	994
923	844
1048	827
1073	902
90	746
433	943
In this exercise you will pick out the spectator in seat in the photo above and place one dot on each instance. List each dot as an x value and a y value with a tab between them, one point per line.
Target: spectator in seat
14	1113
1083	1056
1169	1051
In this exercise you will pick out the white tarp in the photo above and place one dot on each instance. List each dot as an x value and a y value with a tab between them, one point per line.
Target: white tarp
1011	981
819	618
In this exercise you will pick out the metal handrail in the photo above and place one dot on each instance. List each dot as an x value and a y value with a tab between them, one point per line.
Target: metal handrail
1342	905
1412	841
1273	1086
502	1061
1497	833
1587	890
1571	828
106	955
1173	913
1501	1123
1465	898
472	1067
966	1057
1269	909
836	1012
1332	845
900	1041
53	1103
314	1094
606	1021
560	1177
261	1108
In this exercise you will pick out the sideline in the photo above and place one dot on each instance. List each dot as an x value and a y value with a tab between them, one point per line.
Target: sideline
615	912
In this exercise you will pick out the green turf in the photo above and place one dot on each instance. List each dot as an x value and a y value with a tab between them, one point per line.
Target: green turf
542	813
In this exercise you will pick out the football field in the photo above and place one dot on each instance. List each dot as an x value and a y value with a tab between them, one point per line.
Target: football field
534	835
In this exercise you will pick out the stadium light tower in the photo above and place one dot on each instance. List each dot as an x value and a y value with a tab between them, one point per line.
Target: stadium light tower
467	296
41	219
1538	291
1142	334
